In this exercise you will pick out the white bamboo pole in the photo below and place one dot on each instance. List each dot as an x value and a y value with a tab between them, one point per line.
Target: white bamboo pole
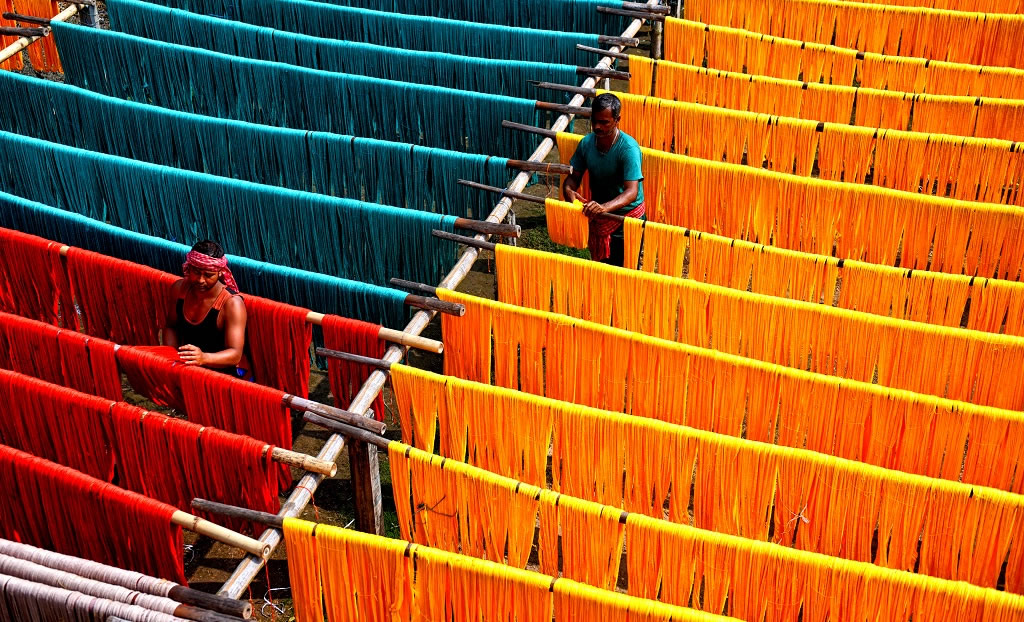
303	493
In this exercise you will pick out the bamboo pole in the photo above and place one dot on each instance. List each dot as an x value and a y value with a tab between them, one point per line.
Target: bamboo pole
302	461
27	33
521	196
391	335
603	73
587	48
233	511
422	288
654	17
128	579
204	527
529	128
24	42
540	167
337	414
355	358
433	304
74	605
18	17
647	7
624	42
363	458
489	228
577	90
576	110
461	239
348	431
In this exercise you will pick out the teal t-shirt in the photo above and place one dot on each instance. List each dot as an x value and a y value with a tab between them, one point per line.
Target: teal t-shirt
609	171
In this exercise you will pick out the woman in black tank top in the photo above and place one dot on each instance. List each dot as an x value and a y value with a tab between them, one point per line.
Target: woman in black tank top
206	320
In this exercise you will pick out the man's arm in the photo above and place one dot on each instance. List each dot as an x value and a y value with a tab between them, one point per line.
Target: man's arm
234	339
571	186
170	336
593	208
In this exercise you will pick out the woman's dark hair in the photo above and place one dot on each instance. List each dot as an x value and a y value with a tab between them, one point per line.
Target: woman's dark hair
607	101
209	248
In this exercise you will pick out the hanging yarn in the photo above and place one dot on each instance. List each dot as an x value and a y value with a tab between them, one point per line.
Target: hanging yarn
163	201
32	279
845	105
827	217
167	459
365	576
733	49
975	38
483	75
278	337
411	32
59	356
290	158
288	96
43	52
306	289
734	482
15	62
616	370
69	512
976	367
983	170
346	377
567	225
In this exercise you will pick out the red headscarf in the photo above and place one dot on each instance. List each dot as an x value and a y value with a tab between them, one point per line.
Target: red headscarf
205	262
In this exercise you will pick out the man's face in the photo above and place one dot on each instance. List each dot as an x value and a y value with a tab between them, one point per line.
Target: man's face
603	124
202	280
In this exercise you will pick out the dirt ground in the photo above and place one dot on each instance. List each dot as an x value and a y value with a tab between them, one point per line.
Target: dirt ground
208	564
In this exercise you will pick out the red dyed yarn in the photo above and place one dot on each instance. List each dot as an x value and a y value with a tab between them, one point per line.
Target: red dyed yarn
32	280
63	510
354	337
57	423
119	300
237	406
59	356
154	372
278	338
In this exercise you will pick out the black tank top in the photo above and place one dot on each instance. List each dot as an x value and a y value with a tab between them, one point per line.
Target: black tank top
205	335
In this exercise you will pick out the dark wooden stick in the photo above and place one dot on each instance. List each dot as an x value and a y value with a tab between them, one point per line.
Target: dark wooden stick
188	612
220	604
654	17
640	6
503	192
354	358
540	167
232	511
489	228
347	431
624	42
422	288
512	125
576	110
600	52
365	422
433	304
28	33
461	239
578	90
603	73
18	17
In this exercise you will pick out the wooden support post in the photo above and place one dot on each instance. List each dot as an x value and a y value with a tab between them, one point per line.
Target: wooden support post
600	52
576	90
507	193
28	19
603	73
646	8
302	461
232	511
353	434
27	33
512	125
654	17
354	358
221	534
657	38
461	239
488	228
540	167
579	111
367	423
433	304
625	42
422	288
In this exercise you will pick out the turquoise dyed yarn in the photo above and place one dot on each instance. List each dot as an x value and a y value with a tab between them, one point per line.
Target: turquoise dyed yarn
411	32
483	75
338	237
319	292
399	174
209	83
580	15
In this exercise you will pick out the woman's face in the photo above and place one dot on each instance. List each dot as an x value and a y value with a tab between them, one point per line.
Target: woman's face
603	124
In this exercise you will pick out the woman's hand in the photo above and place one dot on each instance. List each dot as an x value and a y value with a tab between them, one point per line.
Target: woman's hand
191	355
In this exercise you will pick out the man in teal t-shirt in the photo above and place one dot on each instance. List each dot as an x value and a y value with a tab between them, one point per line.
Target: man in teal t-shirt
612	158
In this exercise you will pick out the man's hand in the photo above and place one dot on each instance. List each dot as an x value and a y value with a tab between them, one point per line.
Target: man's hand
191	355
572	195
593	208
